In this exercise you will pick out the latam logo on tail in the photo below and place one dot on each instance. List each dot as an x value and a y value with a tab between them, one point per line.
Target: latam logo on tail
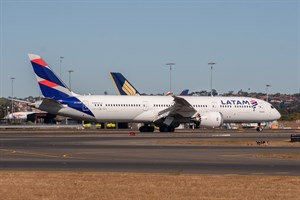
252	103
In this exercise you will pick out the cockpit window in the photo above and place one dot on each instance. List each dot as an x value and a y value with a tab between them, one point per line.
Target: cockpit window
272	107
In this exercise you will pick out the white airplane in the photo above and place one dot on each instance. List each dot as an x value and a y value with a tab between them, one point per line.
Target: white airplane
166	112
18	115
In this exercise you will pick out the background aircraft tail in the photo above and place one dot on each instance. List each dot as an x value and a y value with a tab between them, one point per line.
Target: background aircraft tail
124	87
50	85
184	92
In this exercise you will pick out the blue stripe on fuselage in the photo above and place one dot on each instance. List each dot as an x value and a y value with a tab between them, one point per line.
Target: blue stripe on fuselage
76	104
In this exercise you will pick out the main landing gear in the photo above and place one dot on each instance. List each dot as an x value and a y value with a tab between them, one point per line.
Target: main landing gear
146	128
162	128
165	128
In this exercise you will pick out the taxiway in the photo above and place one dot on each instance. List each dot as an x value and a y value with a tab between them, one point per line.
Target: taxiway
199	153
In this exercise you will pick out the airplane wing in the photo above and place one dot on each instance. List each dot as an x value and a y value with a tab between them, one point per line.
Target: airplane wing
180	109
181	105
51	102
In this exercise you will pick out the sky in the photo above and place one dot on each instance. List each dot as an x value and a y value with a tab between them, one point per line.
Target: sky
253	43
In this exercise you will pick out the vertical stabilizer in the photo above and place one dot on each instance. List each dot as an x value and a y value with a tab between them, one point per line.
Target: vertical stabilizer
124	87
50	85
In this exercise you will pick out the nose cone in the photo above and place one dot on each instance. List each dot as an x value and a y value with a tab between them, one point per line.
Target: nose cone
276	114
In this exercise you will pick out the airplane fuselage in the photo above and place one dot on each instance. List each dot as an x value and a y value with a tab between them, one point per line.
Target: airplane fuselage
166	112
145	109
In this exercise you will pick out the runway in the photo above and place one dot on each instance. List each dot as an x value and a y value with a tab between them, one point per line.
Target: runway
155	153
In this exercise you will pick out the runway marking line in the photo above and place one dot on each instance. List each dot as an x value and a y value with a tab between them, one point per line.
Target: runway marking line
282	173
238	155
231	175
73	154
109	153
290	156
32	154
221	135
64	156
267	156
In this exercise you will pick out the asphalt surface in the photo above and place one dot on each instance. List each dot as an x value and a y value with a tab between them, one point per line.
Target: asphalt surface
154	153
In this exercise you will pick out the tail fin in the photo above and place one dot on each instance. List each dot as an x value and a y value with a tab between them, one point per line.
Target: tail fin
184	92
50	85
124	87
170	93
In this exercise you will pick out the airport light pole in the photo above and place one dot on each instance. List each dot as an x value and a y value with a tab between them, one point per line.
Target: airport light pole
60	61
70	71
267	86
170	64
211	77
12	94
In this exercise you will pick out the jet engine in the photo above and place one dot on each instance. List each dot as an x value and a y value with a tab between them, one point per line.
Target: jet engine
209	119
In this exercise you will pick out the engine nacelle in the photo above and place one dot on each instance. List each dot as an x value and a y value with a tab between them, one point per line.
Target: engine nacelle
210	119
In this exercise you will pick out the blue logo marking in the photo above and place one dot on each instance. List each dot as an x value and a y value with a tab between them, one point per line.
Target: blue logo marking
235	102
252	103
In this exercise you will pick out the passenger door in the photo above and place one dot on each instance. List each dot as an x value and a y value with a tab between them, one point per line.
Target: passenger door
214	106
145	105
261	108
85	106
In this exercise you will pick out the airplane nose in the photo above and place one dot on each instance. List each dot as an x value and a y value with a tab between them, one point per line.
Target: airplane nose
277	114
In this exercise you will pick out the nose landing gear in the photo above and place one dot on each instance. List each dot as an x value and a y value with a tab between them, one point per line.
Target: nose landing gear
259	128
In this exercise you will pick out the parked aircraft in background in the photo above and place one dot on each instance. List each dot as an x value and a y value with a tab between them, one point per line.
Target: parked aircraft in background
124	87
165	112
184	92
18	115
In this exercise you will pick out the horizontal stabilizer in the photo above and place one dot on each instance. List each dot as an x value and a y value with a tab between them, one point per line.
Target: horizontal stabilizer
49	105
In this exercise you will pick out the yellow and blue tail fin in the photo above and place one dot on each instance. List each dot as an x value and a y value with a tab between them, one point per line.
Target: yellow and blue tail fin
124	87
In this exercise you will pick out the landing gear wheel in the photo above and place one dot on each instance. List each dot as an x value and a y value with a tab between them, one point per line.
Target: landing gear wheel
150	128
146	129
166	128
163	128
259	129
171	129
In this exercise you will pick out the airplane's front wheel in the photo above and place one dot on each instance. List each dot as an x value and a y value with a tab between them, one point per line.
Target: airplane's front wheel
259	128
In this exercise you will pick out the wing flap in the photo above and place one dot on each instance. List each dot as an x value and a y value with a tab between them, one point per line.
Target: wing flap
180	108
